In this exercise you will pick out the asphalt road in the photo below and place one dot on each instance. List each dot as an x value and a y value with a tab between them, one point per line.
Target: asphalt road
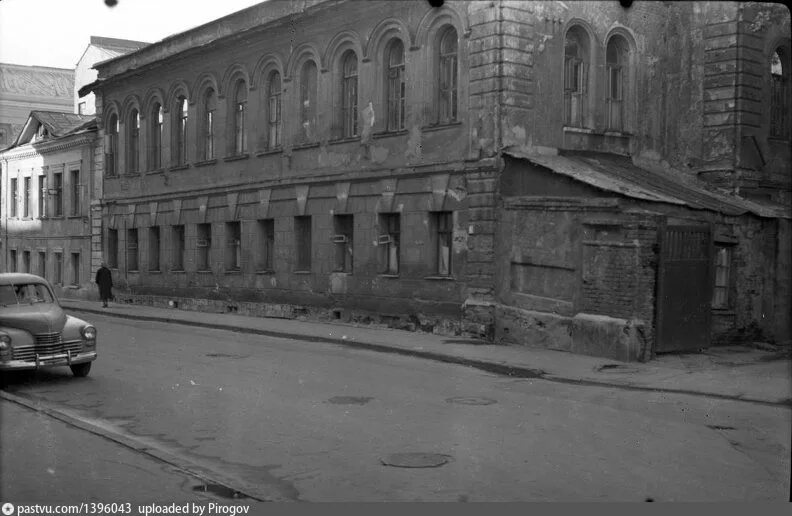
314	422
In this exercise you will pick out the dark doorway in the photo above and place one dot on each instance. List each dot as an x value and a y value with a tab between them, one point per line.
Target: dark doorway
684	289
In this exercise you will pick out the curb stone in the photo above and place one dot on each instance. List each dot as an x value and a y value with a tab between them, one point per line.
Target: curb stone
200	472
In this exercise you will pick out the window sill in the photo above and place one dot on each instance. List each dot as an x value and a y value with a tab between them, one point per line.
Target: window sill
618	134
302	146
204	271
178	167
155	271
75	216
155	171
56	217
581	130
177	271
386	134
394	276
347	139
133	271
266	271
440	127
236	157
233	272
111	176
132	174
301	272
205	163
341	271
269	152
440	278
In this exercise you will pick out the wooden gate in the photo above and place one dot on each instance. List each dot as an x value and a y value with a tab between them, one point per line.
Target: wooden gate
684	289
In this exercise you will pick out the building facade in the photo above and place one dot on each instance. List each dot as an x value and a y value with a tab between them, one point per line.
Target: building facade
286	161
27	88
47	184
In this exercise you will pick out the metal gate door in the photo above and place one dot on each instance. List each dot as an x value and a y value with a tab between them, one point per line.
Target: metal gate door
684	289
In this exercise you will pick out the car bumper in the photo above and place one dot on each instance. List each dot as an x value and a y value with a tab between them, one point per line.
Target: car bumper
60	359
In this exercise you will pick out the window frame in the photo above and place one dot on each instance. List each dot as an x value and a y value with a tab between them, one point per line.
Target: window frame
443	232
112	248
779	92
349	103
343	242
133	142
308	98
132	250
203	247
395	86
157	118
576	77
181	118
208	123
274	110
722	285
303	243
389	242
266	245
239	120
13	199
26	196
233	254
76	192
154	249
178	239
57	179
111	157
447	95
42	196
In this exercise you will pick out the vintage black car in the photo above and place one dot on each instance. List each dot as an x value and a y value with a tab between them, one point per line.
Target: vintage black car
35	332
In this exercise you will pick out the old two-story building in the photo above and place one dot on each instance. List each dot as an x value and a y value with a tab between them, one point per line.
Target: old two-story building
47	179
574	175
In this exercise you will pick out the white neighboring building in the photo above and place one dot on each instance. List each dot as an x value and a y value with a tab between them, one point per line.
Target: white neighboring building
99	49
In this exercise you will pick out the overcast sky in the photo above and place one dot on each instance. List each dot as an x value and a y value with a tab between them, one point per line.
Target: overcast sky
56	32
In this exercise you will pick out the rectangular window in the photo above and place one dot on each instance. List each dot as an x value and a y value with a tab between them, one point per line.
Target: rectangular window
26	198
26	261
388	243
177	263
76	189
58	268
266	238
12	260
443	222
343	226
14	199
203	245
57	201
81	108
233	254
42	196
723	260
42	264
112	248
154	249
75	266
302	243
132	249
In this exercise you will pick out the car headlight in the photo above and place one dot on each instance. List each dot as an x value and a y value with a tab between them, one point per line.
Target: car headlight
5	344
89	332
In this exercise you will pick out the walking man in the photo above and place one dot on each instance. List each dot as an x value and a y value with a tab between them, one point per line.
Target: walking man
104	279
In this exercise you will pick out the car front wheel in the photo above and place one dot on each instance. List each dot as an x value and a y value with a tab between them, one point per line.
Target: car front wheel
81	370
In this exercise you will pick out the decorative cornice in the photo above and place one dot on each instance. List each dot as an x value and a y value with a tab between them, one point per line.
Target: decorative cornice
28	151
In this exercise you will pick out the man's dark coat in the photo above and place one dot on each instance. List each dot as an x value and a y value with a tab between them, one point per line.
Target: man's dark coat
104	278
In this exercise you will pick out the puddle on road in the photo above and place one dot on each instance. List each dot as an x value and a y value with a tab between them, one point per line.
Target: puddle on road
219	490
349	400
471	400
415	460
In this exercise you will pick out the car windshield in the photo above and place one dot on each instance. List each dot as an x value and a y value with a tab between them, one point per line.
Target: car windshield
25	294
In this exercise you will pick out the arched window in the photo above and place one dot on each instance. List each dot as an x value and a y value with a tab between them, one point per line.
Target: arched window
133	147
155	157
240	104
616	62
308	102
576	51
395	85
447	61
111	157
274	124
349	94
180	131
779	94
208	124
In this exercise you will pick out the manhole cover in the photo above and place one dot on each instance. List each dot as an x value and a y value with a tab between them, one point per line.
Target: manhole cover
219	490
349	400
470	400
223	355
415	460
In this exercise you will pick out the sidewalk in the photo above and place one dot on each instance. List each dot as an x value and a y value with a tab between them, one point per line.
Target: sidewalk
733	372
